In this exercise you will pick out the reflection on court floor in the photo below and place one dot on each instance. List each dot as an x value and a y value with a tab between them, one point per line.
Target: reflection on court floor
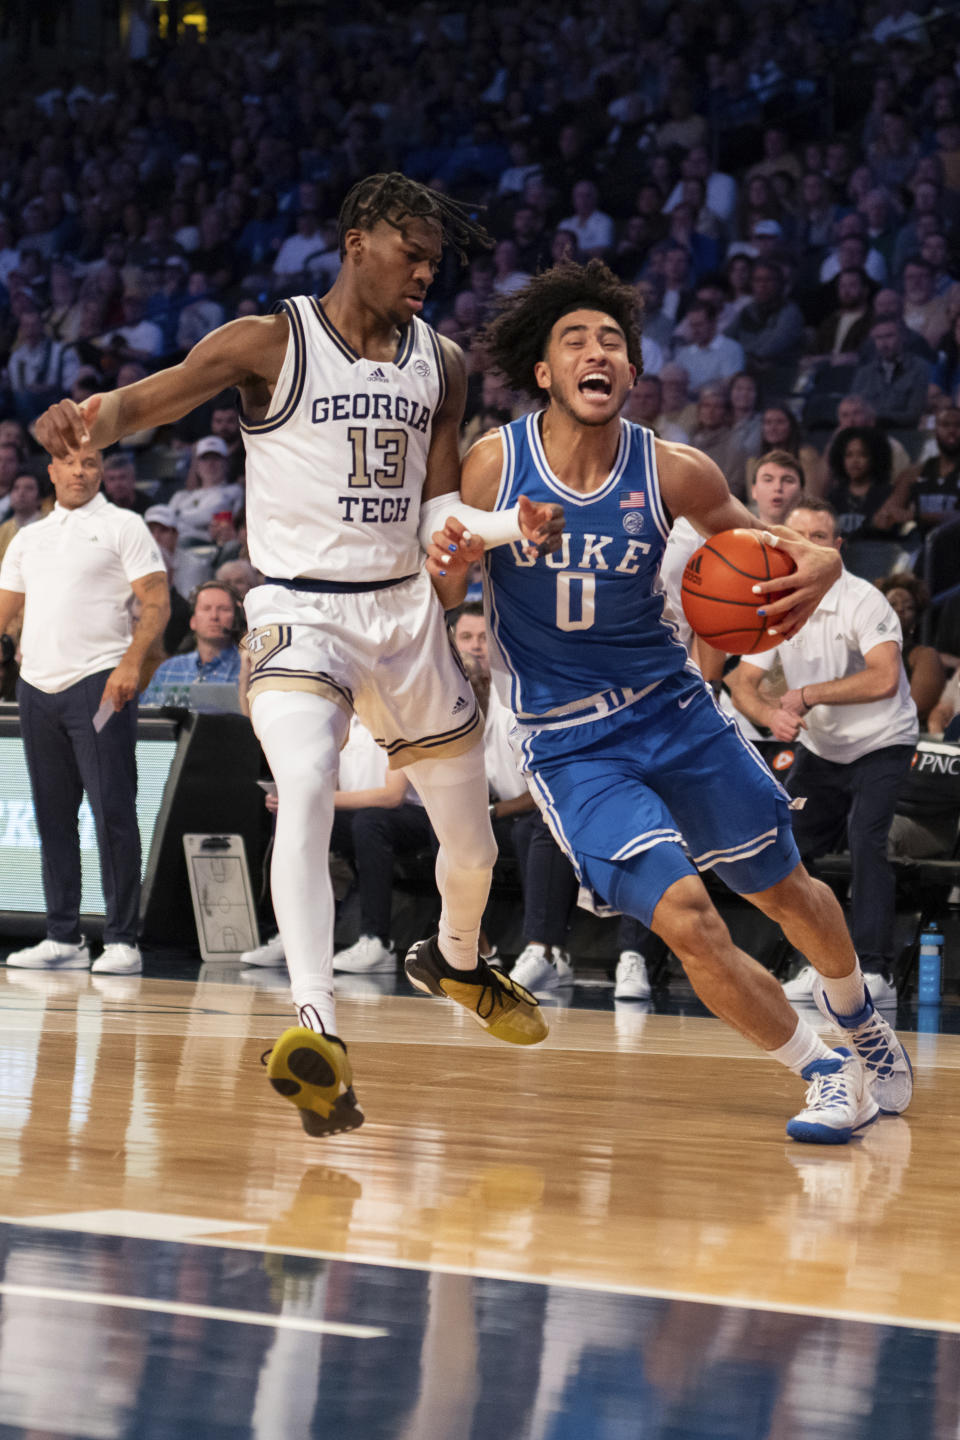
606	1237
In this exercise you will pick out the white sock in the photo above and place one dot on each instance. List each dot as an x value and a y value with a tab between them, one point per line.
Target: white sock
845	992
454	794
463	892
803	1047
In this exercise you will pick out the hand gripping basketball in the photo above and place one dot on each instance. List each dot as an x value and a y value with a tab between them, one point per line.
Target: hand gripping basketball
717	591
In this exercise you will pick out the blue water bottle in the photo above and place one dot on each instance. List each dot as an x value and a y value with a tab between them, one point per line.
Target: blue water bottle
931	964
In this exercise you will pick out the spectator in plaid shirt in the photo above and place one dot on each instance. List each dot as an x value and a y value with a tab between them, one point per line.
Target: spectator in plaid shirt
217	622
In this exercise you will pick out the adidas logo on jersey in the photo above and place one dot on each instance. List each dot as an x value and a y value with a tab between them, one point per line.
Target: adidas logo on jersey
377	376
460	705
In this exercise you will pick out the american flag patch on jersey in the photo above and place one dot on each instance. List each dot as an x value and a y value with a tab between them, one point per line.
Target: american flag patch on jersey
632	499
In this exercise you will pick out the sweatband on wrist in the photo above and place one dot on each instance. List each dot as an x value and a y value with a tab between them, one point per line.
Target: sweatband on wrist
496	527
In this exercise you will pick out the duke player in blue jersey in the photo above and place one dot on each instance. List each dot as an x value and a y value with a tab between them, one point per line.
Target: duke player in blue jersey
642	779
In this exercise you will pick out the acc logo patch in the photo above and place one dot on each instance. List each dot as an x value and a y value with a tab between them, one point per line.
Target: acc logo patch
421	368
783	759
633	522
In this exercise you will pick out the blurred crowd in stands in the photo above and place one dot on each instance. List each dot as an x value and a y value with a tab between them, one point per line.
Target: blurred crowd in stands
781	183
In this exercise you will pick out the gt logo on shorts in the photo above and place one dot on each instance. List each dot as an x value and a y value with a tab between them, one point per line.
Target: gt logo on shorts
266	640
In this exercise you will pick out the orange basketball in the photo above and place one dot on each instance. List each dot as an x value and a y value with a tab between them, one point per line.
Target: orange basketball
717	591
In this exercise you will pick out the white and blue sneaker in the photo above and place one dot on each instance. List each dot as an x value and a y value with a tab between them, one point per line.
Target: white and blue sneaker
886	1062
838	1102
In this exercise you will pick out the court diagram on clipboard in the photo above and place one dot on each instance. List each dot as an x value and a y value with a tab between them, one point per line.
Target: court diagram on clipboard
220	889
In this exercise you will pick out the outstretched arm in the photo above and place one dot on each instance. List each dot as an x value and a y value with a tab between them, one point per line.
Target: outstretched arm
443	469
247	353
693	486
463	534
448	514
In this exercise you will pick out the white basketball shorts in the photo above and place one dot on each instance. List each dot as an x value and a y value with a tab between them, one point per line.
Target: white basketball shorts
383	653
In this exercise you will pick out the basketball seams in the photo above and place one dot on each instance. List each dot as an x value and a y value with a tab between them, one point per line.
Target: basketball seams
734	630
718	599
729	632
747	574
721	616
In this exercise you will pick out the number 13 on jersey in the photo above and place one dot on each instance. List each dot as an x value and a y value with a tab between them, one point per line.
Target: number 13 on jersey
393	447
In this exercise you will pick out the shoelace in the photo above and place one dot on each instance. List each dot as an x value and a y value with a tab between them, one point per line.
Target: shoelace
632	968
873	1047
826	1090
491	992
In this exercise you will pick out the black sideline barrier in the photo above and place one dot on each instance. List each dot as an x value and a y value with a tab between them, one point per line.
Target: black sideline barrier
196	773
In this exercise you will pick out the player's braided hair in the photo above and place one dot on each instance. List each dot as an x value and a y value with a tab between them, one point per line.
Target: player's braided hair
394	198
517	337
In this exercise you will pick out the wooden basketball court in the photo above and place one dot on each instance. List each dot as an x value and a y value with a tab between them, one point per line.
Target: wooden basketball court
606	1235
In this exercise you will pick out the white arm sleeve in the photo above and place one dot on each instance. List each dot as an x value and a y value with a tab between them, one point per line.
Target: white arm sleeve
498	527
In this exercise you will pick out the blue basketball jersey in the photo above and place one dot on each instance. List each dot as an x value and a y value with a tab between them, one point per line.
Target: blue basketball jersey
582	632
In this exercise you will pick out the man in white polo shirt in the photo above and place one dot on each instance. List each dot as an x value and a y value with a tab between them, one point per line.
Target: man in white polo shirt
75	575
848	707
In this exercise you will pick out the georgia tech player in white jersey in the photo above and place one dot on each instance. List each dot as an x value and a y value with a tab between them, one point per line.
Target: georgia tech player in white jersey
366	422
351	414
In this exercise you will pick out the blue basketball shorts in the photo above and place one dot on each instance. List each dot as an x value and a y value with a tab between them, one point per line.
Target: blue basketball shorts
663	788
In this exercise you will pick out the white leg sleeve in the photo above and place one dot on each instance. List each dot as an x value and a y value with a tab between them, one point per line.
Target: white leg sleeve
454	793
301	735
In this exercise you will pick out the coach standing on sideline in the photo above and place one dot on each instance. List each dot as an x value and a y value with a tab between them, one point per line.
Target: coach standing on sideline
73	573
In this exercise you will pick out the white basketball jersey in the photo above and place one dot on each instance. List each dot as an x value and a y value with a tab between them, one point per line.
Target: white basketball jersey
335	469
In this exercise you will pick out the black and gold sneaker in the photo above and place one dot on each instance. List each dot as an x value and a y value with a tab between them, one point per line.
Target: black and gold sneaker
312	1071
496	1002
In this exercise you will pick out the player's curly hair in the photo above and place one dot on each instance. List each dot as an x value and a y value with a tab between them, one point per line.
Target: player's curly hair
517	337
873	441
394	198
